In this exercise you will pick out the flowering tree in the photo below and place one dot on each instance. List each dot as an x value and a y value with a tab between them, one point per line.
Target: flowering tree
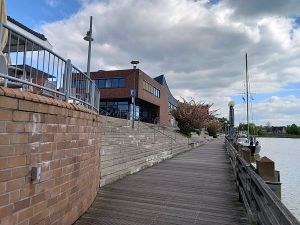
191	115
213	126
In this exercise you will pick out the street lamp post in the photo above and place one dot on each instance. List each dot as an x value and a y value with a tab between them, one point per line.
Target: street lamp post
133	92
225	127
89	38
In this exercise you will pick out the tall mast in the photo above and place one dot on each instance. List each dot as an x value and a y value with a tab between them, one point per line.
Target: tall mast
247	96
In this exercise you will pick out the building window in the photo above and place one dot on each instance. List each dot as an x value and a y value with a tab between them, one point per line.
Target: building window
148	87
114	83
171	107
110	83
79	84
121	82
115	109
101	83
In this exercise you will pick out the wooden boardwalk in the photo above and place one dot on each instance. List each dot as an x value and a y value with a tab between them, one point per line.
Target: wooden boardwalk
196	187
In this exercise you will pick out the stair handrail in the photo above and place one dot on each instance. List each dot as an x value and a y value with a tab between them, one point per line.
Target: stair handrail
158	125
155	128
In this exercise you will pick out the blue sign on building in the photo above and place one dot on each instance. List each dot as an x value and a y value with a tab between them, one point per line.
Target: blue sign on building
132	92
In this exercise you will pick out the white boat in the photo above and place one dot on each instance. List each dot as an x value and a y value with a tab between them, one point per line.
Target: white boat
247	140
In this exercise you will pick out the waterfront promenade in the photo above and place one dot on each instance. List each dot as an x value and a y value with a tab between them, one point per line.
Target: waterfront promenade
196	187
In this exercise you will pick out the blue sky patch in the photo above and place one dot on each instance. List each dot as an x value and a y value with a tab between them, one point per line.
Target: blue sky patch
213	2
36	12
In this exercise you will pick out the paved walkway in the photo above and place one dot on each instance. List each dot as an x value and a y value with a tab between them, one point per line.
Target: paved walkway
196	187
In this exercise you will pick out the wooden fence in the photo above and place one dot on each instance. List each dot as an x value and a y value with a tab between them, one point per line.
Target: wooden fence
262	205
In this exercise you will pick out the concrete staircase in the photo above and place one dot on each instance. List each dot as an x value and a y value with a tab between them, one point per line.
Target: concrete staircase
126	151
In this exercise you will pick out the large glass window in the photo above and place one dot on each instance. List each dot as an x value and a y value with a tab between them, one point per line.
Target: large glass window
78	84
101	83
121	82
115	109
123	106
151	89
110	83
114	83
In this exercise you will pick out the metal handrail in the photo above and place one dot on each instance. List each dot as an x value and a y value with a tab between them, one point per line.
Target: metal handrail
38	69
30	39
154	128
174	139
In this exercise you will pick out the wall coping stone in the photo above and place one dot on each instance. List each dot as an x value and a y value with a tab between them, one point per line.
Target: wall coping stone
23	95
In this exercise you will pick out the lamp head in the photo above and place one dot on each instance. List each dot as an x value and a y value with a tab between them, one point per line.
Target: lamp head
88	36
134	62
231	104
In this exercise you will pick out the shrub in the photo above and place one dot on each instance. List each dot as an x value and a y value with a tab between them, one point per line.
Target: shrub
213	127
185	133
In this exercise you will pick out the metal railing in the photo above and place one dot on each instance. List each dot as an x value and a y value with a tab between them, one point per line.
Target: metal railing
156	131
29	66
156	128
262	205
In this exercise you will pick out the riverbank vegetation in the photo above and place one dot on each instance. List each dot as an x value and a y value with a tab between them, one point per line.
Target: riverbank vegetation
253	129
289	131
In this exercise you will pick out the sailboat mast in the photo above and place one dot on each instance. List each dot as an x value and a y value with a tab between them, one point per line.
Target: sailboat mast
247	96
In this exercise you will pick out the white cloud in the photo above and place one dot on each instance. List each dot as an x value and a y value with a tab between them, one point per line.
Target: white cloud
199	48
261	8
52	3
276	110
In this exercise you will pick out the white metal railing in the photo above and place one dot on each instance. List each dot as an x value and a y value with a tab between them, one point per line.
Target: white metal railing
27	65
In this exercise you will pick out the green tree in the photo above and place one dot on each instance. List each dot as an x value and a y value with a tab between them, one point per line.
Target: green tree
293	129
268	127
224	123
253	129
213	126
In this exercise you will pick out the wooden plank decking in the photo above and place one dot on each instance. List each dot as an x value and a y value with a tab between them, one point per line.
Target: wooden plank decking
196	187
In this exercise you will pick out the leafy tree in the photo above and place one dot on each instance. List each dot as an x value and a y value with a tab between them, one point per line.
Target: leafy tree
253	129
191	115
224	122
213	126
268	127
293	129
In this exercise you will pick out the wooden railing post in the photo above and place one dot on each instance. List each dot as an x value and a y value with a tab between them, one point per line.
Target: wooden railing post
259	189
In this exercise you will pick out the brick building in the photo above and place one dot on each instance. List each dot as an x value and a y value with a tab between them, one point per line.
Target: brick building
153	97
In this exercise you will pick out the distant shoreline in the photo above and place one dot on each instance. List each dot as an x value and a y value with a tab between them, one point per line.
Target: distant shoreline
280	135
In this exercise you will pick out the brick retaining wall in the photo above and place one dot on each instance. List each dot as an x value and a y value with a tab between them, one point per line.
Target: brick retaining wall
64	140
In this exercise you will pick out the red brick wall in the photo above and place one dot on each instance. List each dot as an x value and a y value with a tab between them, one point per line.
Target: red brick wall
64	140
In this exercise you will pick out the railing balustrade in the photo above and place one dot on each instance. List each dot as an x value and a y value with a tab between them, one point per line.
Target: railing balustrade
262	205
29	66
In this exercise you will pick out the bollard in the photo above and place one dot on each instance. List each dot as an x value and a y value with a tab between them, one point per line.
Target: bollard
275	187
266	169
246	154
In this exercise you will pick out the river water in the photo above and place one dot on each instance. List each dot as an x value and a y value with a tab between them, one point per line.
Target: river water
285	152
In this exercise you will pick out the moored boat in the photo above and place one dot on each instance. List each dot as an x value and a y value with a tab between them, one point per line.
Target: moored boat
247	140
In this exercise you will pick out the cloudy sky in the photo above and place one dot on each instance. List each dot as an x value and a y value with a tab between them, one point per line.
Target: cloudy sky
200	46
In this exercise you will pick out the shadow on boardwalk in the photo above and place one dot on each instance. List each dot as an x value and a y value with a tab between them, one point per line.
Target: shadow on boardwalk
196	187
